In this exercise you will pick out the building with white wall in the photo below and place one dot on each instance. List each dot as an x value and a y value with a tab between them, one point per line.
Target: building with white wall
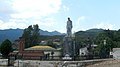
83	51
116	53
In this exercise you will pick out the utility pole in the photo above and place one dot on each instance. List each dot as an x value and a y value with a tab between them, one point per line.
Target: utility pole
74	52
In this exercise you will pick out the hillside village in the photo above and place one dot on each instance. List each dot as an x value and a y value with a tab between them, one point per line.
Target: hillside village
93	44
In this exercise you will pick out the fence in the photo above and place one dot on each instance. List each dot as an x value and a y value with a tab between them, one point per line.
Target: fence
59	58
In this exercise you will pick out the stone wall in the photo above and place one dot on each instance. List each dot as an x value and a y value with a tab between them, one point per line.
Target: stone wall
3	62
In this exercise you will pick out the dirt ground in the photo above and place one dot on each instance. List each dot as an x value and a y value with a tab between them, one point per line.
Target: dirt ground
110	63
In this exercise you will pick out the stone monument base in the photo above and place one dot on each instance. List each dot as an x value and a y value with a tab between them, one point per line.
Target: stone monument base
68	48
67	57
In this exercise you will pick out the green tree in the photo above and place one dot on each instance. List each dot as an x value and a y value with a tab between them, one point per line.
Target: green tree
116	39
104	49
27	36
35	34
50	43
6	48
31	35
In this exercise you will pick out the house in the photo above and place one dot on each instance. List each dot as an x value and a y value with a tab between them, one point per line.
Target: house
83	51
23	54
43	42
116	53
49	52
35	52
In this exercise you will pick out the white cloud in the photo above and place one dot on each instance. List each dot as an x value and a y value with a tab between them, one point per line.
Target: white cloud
44	23
80	19
35	8
1	22
65	8
77	25
12	24
49	19
5	7
22	13
22	23
105	25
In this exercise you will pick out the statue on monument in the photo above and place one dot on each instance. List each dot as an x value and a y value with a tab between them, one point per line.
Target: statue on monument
69	27
68	42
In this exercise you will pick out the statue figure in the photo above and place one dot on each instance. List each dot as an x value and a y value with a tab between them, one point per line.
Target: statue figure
68	42
69	27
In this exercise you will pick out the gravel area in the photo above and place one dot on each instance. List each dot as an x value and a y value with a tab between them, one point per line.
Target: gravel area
110	63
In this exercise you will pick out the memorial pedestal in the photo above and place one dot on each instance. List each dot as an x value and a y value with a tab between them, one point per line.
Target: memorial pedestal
67	48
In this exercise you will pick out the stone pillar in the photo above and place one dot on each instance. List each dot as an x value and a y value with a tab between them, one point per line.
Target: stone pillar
21	44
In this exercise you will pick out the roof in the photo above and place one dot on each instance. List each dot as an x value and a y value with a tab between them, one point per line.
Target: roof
41	47
57	43
13	53
115	49
45	48
33	54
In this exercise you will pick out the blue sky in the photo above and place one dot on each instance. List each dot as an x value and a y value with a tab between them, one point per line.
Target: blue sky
52	15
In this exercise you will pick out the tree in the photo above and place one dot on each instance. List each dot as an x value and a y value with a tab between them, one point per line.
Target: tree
104	49
6	48
31	35
35	34
116	39
50	43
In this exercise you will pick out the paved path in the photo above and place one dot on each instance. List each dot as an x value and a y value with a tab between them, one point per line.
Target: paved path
109	63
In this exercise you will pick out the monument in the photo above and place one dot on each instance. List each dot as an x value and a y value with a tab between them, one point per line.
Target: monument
68	42
69	27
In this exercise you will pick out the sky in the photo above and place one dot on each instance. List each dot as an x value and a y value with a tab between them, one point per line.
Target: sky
51	15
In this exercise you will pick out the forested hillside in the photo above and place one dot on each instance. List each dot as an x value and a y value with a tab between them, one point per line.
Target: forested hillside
13	34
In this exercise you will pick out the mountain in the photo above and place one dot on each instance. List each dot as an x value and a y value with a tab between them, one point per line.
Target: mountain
50	33
13	34
94	30
10	34
91	33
